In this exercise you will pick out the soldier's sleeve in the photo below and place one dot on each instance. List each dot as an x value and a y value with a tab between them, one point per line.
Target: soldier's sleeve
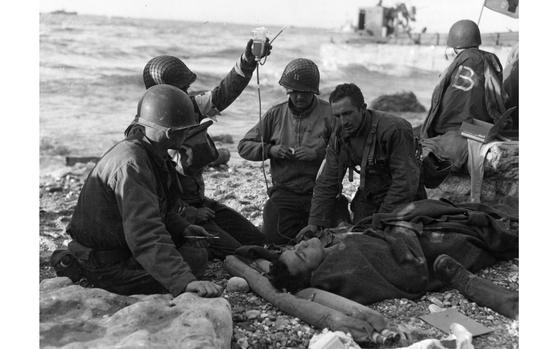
326	188
250	147
405	173
329	126
231	86
176	225
145	232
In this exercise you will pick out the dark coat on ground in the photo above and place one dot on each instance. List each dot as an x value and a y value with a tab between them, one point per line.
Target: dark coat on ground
394	259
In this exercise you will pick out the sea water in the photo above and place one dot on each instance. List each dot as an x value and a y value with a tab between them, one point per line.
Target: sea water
91	73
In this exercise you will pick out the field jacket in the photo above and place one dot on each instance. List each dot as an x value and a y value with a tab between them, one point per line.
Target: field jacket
385	149
282	126
125	205
471	88
211	103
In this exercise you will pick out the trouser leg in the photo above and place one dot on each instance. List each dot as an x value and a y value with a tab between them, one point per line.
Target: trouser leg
481	291
362	208
486	293
239	227
128	277
341	213
285	214
222	247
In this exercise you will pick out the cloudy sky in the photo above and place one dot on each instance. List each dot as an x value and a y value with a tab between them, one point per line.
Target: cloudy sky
436	15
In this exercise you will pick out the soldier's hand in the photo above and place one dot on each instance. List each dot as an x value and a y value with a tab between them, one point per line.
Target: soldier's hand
304	153
204	288
307	232
195	230
204	213
280	152
248	54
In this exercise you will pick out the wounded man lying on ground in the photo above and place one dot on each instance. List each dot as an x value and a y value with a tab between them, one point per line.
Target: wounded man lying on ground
394	256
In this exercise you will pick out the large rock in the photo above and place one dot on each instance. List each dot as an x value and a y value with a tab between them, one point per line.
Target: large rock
501	178
72	316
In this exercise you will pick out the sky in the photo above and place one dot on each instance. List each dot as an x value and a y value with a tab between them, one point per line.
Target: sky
436	15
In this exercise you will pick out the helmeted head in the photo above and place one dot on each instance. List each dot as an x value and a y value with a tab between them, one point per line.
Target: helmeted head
168	70
464	34
348	106
166	107
301	74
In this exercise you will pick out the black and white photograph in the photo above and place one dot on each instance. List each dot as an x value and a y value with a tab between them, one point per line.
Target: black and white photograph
278	174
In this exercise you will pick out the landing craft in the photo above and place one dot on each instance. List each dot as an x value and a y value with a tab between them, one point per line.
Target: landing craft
395	25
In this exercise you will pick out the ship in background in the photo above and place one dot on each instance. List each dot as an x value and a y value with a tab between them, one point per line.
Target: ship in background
393	25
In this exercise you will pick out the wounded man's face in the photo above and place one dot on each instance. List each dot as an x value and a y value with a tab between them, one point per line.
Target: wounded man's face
303	257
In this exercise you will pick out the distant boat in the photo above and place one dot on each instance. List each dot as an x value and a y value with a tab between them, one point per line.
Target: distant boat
64	12
392	25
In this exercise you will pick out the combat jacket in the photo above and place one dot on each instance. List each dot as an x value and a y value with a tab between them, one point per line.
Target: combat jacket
471	87
385	149
208	105
282	126
124	205
211	103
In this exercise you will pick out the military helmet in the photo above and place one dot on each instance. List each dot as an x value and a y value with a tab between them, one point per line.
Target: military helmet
166	106
301	74
167	70
464	34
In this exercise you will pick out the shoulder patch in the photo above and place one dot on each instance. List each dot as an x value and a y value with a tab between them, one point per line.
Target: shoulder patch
464	79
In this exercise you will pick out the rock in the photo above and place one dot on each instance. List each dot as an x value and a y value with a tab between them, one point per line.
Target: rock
398	102
435	309
252	314
501	178
54	283
237	284
435	301
77	317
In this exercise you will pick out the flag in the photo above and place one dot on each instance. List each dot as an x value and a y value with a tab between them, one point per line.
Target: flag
506	7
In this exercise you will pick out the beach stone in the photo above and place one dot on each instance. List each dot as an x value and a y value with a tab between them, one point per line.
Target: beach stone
500	183
237	284
252	314
72	316
397	102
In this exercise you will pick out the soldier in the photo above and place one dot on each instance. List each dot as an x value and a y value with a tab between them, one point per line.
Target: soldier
382	145
231	228
124	234
470	88
294	134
